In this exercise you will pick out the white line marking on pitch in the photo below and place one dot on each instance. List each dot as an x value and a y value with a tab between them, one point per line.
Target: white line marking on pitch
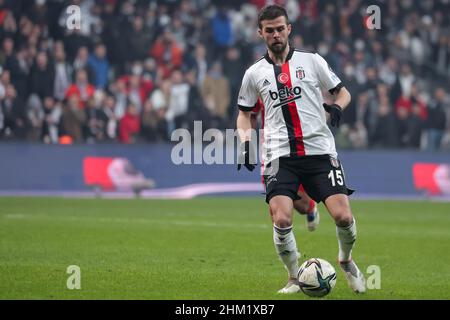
148	221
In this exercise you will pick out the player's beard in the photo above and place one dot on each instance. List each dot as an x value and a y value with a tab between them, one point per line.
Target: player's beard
278	47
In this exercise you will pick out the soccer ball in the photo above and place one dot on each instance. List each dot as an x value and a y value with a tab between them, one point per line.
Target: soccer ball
316	277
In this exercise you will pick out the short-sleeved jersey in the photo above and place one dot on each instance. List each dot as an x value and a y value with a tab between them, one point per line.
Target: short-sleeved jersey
294	117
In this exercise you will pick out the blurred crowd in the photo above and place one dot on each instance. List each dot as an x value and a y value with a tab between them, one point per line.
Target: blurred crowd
136	70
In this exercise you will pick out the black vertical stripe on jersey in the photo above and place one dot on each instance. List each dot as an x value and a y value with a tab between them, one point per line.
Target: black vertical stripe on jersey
286	114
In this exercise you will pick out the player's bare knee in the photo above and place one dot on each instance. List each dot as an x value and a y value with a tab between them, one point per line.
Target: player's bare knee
281	217
282	221
343	218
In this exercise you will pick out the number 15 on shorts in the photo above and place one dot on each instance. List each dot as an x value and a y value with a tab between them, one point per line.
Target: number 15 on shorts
336	176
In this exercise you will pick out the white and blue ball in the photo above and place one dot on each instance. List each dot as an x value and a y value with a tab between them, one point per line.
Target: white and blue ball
316	277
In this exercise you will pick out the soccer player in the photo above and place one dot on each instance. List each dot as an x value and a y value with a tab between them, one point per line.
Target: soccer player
304	205
298	146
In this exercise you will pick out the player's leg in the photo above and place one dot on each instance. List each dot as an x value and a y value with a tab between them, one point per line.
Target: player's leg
283	237
281	191
325	182
307	206
339	208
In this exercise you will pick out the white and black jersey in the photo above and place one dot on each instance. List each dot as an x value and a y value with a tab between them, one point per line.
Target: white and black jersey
294	118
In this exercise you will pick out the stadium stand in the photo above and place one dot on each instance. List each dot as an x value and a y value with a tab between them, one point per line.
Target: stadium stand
136	70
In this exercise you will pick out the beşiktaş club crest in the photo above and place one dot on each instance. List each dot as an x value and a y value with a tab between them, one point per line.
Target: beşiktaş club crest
300	73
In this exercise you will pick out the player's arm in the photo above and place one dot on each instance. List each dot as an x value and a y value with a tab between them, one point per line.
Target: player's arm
343	98
330	81
335	109
247	150
244	125
247	98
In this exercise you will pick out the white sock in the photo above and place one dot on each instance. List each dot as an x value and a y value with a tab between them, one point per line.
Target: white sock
346	239
286	248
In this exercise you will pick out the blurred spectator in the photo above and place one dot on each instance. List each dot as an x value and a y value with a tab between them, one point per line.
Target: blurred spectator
221	31
5	79
167	54
198	32
198	63
19	69
154	126
100	66
7	51
388	71
119	89
348	77
81	88
407	102
81	62
42	77
25	35
9	26
176	114
35	117
406	80
386	130
12	124
63	72
233	72
73	119
138	89
196	107
129	125
52	117
113	35
93	127
216	95
73	42
160	97
418	102
402	124
436	120
366	116
179	32
415	126
149	72
358	136
398	49
441	54
139	40
109	118
360	67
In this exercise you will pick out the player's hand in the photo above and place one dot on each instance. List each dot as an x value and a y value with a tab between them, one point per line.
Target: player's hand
247	156
335	112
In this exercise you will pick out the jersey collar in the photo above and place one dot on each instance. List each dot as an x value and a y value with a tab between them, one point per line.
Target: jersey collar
288	57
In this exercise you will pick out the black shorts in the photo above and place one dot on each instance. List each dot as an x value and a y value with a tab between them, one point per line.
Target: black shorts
321	177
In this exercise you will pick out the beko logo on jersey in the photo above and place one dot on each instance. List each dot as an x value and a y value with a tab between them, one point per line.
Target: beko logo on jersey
285	95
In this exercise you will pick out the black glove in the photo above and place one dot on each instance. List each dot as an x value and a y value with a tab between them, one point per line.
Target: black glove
335	112
247	156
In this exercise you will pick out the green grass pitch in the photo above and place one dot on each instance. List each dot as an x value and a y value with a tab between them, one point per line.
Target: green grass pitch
208	248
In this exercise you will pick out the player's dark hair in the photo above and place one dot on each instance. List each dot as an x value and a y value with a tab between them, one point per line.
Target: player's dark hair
272	12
